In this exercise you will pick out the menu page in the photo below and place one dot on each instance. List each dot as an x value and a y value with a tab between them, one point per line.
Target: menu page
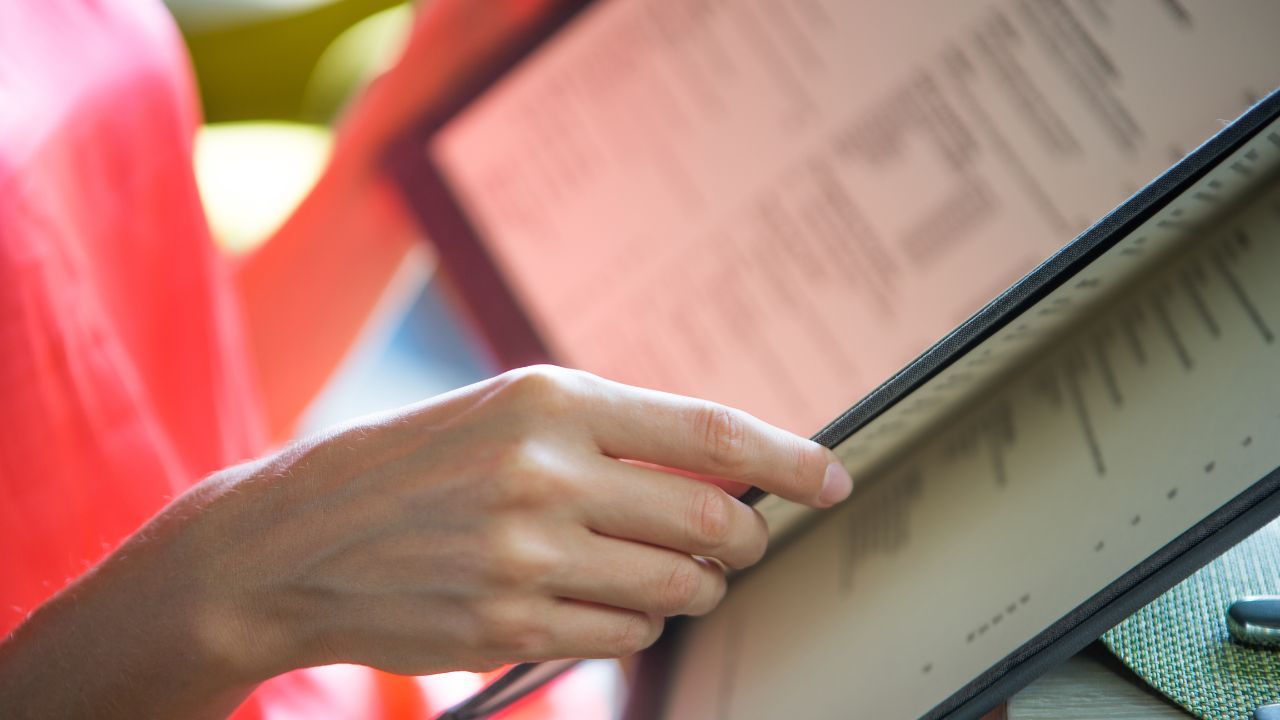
1150	410
777	204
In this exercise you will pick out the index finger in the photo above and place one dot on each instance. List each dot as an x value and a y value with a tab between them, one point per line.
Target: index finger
704	437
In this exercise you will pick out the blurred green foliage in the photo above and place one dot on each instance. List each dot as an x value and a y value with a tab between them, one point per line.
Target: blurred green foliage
260	69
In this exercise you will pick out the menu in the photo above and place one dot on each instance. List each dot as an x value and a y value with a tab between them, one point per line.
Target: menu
777	204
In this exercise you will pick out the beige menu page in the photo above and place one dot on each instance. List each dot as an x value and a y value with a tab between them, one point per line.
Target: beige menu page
1155	405
777	204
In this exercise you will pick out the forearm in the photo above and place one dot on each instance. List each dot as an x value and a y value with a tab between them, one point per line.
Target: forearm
310	288
137	637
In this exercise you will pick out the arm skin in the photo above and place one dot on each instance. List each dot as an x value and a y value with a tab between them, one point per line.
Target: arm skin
309	289
125	640
499	523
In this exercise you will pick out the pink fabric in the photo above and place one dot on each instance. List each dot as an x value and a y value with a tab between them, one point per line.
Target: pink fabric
123	372
123	375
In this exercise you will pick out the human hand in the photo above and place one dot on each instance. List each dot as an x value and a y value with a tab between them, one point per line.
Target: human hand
500	523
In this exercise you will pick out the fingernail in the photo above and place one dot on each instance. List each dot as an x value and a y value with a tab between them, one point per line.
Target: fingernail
836	485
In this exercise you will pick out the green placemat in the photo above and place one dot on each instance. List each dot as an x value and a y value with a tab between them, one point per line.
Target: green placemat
1179	643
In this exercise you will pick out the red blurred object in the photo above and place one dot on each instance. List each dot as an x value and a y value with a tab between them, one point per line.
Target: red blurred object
124	375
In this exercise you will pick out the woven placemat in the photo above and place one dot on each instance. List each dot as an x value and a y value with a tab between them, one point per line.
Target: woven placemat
1179	643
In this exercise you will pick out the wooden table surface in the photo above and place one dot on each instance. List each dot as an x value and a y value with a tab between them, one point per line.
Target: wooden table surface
1092	685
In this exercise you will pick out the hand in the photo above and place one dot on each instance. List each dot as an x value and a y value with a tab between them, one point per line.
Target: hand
496	524
523	518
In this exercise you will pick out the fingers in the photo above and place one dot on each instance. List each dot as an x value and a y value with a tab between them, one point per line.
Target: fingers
644	578
680	513
585	630
705	437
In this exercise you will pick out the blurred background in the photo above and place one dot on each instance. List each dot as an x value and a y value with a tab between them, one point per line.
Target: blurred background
273	76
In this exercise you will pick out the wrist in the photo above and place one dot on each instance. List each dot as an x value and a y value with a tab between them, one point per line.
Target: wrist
226	608
135	615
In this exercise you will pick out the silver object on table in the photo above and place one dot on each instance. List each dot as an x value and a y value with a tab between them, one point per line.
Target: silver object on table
1255	620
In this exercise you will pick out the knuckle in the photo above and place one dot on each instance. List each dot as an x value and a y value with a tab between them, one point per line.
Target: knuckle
633	634
541	389
723	432
518	559
512	631
680	588
528	642
709	518
527	475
